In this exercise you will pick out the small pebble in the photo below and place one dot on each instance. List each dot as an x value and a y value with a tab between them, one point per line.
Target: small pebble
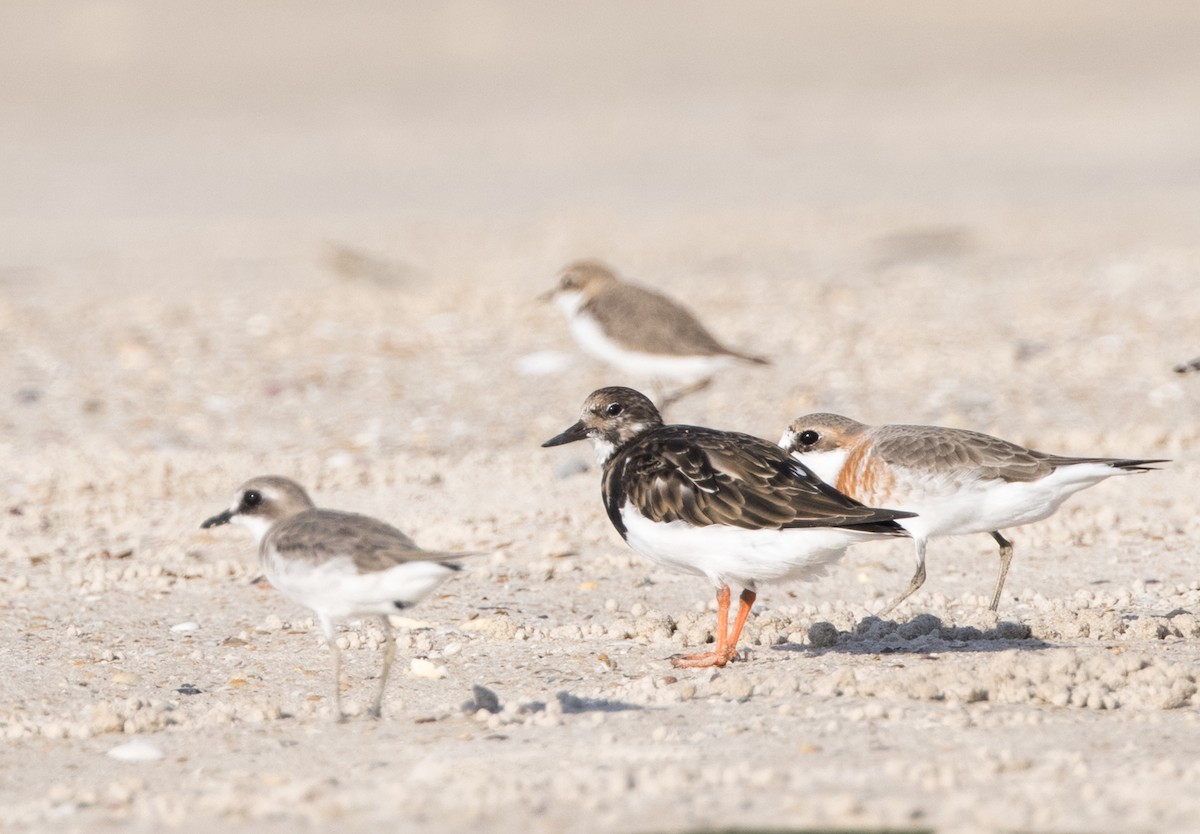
485	698
822	635
136	751
543	363
409	623
422	668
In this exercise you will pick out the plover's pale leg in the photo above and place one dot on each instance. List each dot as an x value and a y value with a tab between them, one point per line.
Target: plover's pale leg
331	639
1006	554
389	655
720	655
916	582
338	715
677	395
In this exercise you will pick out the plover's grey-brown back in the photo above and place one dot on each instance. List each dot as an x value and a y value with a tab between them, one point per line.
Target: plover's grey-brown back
728	506
956	481
338	564
640	332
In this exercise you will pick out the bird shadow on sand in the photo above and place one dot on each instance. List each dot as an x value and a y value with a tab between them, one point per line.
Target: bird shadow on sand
923	634
575	704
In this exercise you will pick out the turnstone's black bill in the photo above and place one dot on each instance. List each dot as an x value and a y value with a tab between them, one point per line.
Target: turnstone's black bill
729	506
956	481
338	564
638	331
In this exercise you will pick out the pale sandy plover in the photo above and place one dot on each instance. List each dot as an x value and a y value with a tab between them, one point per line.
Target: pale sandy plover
338	564
640	332
724	505
956	481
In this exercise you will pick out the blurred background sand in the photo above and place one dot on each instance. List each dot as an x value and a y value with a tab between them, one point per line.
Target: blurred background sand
304	238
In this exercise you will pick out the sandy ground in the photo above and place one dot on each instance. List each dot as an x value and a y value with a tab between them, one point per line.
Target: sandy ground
307	242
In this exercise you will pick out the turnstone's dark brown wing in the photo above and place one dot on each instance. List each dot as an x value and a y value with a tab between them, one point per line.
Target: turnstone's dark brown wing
320	535
703	476
952	450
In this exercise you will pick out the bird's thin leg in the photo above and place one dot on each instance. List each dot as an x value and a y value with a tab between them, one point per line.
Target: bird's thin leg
1006	554
389	655
338	715
745	603
916	582
677	395
660	394
720	655
330	638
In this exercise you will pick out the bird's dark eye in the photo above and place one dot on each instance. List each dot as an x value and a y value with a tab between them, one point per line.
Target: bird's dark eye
808	437
613	409
252	498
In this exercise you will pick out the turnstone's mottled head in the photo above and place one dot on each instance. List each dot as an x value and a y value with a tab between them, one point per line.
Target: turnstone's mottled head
262	502
819	433
611	418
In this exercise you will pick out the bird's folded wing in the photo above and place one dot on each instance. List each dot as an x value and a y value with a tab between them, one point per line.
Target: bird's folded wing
705	477
373	545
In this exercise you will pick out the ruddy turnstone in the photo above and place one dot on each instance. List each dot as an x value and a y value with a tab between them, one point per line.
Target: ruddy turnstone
728	506
338	564
640	332
956	481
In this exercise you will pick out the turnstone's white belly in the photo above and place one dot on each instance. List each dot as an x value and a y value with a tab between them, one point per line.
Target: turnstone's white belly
734	555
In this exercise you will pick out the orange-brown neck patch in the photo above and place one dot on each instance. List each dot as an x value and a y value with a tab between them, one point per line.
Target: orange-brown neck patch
865	477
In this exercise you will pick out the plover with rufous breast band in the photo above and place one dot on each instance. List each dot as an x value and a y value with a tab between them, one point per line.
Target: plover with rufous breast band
728	506
956	481
338	564
640	332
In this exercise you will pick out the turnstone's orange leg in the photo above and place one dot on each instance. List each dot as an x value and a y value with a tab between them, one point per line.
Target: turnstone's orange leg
720	656
916	582
745	603
1006	553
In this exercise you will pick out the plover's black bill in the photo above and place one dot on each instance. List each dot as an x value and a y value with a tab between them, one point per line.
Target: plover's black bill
217	520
